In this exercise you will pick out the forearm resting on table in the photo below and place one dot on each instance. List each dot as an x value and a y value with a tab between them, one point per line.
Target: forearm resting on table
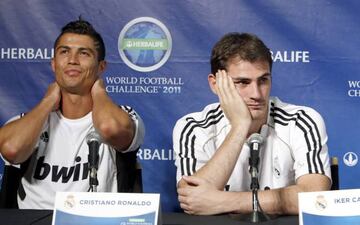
282	201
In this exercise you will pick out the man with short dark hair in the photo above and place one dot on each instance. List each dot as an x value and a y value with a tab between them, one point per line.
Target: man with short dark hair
51	138
212	153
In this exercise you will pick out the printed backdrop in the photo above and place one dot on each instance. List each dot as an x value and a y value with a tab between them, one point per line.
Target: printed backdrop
158	61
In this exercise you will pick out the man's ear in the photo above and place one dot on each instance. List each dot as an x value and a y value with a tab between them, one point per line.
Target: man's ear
102	67
53	64
212	83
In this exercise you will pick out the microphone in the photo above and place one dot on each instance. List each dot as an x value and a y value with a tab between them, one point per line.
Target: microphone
93	140
255	141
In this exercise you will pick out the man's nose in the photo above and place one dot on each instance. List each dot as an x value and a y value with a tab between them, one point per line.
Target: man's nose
74	58
255	91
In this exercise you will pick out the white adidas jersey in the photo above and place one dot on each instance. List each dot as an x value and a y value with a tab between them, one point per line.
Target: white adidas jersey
60	161
294	145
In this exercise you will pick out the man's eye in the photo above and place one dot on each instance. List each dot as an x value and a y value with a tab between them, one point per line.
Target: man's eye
264	80
242	82
63	51
84	53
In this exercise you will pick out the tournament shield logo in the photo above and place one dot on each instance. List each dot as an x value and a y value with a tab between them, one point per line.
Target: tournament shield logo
145	44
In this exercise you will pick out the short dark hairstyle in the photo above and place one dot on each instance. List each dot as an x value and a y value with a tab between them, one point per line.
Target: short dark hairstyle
83	27
247	47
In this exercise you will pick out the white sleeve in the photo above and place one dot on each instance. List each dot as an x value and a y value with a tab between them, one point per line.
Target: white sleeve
309	144
188	148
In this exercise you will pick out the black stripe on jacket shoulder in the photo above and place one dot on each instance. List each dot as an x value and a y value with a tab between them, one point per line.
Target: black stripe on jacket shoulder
311	134
187	139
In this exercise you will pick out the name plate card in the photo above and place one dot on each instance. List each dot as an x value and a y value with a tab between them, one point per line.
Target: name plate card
330	207
95	208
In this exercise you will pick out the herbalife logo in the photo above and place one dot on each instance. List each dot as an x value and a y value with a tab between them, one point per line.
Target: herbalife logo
350	159
145	44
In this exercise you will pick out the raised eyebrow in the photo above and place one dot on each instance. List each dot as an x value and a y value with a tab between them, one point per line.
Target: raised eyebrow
62	46
87	49
80	49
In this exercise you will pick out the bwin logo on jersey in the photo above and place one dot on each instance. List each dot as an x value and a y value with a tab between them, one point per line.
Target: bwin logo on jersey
350	159
145	44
